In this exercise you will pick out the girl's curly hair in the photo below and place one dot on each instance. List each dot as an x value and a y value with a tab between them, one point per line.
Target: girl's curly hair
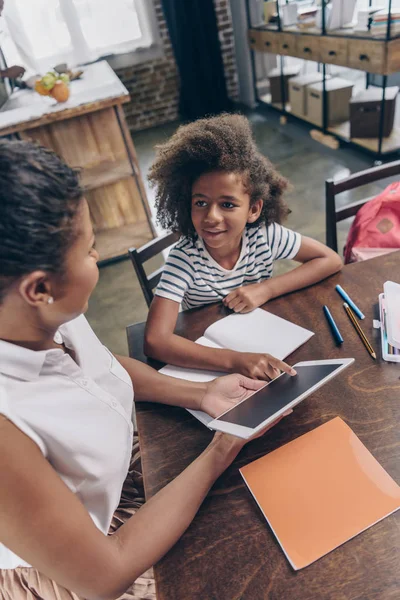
222	143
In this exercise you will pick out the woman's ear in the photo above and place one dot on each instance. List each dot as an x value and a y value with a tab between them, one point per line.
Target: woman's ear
255	211
35	288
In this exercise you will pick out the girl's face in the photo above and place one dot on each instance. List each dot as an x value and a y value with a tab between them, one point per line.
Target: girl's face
221	209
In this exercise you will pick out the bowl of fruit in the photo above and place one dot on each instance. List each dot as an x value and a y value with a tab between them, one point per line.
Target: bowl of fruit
55	85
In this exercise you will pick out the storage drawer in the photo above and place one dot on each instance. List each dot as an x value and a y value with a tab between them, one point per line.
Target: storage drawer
308	47
334	50
263	41
254	39
286	44
393	57
268	42
367	55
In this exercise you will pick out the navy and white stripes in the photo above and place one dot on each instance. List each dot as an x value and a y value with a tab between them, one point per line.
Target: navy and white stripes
192	277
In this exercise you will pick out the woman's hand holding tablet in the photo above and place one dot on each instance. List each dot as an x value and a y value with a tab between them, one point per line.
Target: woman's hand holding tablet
265	406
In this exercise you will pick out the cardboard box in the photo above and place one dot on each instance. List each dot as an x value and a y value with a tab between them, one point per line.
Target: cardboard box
365	112
269	10
274	77
338	94
297	92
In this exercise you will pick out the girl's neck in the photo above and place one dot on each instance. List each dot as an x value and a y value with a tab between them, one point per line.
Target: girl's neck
228	255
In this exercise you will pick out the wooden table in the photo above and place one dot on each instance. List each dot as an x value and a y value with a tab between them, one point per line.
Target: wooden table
90	132
229	551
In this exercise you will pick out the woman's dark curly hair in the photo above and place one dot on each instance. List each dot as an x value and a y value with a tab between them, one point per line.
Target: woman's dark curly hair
223	143
40	197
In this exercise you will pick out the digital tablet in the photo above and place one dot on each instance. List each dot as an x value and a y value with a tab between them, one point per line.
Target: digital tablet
267	404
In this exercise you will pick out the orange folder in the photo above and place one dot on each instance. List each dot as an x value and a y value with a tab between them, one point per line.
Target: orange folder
320	490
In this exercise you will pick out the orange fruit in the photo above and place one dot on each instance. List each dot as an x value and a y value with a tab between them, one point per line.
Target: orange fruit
60	91
40	89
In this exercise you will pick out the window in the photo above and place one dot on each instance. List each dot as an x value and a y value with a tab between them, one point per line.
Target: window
43	33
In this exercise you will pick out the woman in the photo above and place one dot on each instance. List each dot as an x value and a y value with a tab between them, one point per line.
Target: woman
65	404
11	72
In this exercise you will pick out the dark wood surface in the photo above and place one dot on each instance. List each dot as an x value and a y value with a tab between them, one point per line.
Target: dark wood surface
229	552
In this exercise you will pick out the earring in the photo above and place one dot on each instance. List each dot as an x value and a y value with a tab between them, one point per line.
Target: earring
50	300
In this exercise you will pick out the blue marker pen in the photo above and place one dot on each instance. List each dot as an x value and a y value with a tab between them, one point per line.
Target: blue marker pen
350	302
334	328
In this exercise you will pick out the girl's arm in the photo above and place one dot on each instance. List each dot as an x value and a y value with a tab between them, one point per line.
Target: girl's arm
319	262
213	397
45	524
163	344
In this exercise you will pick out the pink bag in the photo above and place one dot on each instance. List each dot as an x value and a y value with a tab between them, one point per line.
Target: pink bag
377	223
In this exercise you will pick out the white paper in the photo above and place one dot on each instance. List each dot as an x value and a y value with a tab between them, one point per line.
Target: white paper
258	331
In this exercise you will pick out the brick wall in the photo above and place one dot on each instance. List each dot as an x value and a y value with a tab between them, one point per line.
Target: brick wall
225	29
154	85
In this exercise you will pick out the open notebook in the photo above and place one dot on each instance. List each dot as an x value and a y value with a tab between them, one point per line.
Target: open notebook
257	331
320	490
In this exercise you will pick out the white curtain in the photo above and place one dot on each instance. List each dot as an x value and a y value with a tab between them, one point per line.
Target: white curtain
38	34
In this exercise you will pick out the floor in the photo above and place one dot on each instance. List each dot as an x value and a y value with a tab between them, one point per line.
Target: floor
118	300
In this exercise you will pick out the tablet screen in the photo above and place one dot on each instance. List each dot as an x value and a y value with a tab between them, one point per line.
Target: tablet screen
275	396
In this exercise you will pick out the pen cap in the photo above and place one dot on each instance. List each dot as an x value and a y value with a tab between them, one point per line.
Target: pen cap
392	303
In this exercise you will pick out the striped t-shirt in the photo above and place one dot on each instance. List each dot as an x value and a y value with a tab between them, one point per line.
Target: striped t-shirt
192	277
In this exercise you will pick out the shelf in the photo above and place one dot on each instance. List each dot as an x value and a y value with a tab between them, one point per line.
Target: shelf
344	32
389	144
342	130
369	54
114	242
266	98
351	33
105	172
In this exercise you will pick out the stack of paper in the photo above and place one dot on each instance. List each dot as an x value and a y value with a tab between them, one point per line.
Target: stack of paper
379	23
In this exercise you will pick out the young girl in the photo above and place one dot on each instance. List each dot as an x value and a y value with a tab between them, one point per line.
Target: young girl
225	199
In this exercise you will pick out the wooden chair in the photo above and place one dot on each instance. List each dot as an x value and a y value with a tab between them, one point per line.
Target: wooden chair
141	255
333	188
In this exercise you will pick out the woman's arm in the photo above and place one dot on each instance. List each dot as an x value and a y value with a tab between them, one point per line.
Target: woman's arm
319	262
45	524
214	397
163	344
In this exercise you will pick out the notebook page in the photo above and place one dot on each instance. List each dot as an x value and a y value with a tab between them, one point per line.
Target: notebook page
258	331
199	375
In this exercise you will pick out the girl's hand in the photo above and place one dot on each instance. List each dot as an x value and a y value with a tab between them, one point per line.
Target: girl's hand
248	297
260	366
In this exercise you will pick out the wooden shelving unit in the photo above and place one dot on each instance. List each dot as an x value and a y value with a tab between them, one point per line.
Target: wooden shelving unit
342	47
94	137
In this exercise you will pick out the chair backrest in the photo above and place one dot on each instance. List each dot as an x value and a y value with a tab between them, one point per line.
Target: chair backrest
333	188
141	255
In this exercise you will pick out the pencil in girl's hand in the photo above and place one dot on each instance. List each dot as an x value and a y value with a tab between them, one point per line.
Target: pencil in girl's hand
360	332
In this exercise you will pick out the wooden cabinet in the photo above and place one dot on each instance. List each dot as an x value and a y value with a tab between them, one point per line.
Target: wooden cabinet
286	44
393	56
263	41
334	50
367	55
93	136
308	47
372	55
340	47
